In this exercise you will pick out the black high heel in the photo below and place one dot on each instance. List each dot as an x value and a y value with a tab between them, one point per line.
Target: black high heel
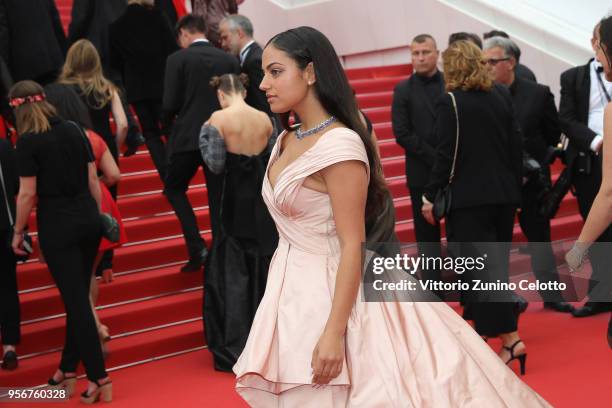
67	382
522	358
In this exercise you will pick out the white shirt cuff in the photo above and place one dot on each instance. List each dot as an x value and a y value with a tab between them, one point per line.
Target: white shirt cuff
596	143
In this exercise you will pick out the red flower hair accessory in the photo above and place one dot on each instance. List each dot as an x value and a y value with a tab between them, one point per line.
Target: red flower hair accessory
15	102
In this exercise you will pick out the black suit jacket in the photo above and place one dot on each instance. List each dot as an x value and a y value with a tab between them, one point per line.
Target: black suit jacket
489	160
574	110
141	39
90	19
188	97
535	110
252	67
32	40
11	180
524	72
413	119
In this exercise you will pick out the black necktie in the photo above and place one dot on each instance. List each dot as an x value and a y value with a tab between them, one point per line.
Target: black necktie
599	69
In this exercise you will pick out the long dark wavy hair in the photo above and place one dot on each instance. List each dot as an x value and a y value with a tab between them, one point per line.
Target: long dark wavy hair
605	38
305	45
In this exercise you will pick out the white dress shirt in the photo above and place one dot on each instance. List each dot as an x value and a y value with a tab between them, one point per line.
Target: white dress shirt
597	104
245	51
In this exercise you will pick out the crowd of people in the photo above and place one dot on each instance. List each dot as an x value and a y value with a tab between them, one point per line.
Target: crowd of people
295	184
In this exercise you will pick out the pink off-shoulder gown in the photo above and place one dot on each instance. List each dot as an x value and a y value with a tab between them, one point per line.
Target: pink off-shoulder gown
397	354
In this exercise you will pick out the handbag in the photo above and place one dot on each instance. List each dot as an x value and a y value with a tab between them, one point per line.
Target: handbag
552	199
27	240
109	226
443	199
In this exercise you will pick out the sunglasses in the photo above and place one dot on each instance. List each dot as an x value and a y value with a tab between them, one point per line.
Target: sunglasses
495	61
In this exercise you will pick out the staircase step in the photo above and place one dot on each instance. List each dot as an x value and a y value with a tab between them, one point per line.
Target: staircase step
375	99
123	350
150	181
378	115
130	258
50	334
137	285
376	85
379	72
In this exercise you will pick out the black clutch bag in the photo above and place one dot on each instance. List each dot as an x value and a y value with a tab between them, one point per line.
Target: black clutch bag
110	227
442	201
552	199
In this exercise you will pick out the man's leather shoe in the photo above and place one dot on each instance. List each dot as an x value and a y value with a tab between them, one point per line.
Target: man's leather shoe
559	306
133	145
592	308
195	264
9	361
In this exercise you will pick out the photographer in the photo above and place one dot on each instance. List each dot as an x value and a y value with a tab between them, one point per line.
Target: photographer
537	115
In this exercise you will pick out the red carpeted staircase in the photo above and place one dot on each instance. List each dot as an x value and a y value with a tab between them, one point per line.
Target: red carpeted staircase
152	309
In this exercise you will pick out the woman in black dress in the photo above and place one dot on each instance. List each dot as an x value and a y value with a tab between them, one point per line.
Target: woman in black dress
236	142
486	187
83	70
57	173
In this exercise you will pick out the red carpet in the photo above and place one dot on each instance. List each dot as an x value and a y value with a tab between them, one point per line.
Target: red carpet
569	365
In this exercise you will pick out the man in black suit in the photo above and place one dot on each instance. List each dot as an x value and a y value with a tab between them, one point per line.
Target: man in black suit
32	40
584	94
188	102
168	9
140	41
413	120
236	33
520	70
535	110
90	19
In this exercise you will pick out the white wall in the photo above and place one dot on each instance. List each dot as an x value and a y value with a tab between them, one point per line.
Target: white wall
553	34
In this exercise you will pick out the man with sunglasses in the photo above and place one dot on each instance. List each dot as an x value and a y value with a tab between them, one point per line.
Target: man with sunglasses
584	94
536	113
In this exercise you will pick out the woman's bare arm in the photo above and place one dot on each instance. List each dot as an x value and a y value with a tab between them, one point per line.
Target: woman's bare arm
109	168
94	184
119	115
25	202
347	186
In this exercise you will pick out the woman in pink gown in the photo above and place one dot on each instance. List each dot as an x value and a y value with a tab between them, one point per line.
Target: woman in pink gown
313	342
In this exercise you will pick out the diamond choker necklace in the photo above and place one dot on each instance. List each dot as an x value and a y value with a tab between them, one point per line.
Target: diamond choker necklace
302	134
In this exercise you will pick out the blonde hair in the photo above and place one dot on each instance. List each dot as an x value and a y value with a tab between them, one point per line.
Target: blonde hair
83	68
31	117
465	68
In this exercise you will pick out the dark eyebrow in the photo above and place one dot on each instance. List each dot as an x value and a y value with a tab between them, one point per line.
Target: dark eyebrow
272	63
